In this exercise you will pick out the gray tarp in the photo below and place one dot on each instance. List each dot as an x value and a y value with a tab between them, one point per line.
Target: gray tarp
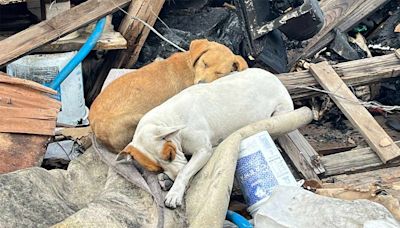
88	194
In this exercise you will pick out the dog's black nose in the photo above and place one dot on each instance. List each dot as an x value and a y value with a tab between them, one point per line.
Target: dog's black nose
201	81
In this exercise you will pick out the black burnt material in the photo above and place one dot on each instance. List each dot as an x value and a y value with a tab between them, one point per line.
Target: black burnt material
240	29
184	25
299	20
15	17
385	34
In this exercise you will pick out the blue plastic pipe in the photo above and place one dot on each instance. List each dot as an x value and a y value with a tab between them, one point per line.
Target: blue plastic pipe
238	220
81	55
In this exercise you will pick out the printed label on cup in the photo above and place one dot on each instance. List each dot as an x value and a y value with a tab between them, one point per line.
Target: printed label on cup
256	177
260	168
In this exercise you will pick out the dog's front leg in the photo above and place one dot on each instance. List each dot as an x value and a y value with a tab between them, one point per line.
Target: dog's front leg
174	197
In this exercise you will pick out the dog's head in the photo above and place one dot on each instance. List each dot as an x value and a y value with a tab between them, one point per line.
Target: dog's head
156	149
211	60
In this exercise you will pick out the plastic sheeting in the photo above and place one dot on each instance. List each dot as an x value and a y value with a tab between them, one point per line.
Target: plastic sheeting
296	207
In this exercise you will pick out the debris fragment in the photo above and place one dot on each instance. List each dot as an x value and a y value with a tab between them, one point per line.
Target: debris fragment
397	28
287	205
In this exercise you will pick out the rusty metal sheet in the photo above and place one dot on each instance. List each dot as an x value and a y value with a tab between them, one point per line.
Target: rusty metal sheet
20	151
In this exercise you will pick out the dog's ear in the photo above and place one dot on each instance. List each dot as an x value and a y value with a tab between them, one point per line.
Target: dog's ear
142	159
168	132
168	152
239	64
197	49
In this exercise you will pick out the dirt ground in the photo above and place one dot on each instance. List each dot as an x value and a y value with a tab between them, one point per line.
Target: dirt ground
327	138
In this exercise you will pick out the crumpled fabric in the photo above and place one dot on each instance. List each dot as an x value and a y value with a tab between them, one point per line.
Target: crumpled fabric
88	194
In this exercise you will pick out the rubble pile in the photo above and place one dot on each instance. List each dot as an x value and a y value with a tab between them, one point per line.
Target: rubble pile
332	151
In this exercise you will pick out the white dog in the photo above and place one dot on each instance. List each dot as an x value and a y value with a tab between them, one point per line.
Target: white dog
199	118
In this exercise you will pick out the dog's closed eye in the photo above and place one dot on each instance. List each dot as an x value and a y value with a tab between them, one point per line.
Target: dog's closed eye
168	152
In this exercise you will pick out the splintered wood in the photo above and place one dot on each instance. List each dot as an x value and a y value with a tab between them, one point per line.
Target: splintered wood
301	153
26	107
136	32
348	103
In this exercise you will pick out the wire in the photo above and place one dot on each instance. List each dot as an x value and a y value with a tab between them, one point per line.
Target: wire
150	27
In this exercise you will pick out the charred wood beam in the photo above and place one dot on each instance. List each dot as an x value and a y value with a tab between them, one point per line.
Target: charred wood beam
353	73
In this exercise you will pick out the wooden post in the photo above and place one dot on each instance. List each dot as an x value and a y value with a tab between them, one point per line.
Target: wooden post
49	30
348	103
135	32
301	154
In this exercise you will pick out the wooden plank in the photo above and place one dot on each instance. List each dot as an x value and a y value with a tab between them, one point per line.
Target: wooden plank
364	10
22	97
381	186
49	30
353	73
29	113
307	151
108	41
297	157
4	78
135	32
364	180
373	133
28	126
334	148
341	15
353	161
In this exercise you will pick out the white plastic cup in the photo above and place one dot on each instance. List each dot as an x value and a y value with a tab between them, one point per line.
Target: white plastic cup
259	169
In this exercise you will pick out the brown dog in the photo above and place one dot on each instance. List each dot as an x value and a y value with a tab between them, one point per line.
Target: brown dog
116	112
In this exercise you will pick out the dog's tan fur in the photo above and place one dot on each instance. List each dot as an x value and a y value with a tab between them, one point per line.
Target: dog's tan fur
116	112
143	160
168	152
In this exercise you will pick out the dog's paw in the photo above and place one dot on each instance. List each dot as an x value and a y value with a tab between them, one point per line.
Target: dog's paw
164	181
174	197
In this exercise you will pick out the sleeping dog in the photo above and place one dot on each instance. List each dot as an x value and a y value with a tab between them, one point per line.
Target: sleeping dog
198	119
116	112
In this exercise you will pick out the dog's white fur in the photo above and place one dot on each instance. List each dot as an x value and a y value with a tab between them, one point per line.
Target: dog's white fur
201	116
